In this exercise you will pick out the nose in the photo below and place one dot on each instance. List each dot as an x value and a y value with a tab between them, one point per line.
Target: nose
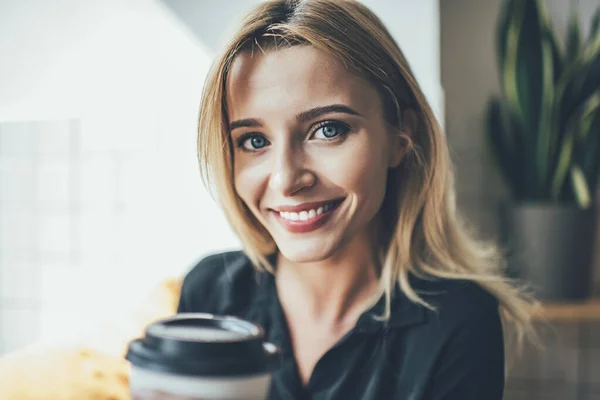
289	174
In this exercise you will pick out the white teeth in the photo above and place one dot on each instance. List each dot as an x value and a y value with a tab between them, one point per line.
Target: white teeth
302	215
307	214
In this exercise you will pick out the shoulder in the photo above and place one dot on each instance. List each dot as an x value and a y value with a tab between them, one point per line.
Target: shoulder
461	343
463	332
216	268
218	283
457	301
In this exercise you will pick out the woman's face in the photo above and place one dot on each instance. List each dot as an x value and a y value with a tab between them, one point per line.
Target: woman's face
311	149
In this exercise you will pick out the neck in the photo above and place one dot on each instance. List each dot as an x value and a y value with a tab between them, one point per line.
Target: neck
334	290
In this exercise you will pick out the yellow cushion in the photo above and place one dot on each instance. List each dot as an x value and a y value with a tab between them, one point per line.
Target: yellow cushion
55	373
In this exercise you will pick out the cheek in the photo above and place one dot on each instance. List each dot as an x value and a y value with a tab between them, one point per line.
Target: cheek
249	183
370	182
362	170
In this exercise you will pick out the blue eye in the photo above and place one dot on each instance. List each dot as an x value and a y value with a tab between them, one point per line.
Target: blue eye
252	142
330	130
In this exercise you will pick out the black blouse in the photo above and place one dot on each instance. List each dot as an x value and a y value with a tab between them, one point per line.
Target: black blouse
455	352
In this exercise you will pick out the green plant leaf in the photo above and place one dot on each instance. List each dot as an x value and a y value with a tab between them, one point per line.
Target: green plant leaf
579	123
594	29
587	150
544	125
574	40
564	163
554	117
588	112
557	55
580	187
546	131
535	87
530	66
589	156
502	33
579	81
509	56
504	143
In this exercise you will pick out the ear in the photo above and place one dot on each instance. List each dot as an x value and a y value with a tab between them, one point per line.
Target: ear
400	144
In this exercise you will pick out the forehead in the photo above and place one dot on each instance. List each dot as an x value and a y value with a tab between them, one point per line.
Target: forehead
291	80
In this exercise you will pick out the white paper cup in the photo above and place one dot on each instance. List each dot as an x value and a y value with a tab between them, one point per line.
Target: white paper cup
202	357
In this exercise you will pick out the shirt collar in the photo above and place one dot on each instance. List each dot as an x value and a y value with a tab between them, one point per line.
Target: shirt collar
403	313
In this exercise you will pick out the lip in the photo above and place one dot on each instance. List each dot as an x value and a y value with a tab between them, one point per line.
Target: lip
304	206
310	225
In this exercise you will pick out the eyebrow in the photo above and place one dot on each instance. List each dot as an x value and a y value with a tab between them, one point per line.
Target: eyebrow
304	116
318	111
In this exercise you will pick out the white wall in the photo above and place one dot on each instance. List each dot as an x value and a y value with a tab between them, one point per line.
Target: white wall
101	195
416	27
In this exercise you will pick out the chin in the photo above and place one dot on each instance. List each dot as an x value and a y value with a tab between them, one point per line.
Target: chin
301	251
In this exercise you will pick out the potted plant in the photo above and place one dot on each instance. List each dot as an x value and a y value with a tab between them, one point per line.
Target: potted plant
544	131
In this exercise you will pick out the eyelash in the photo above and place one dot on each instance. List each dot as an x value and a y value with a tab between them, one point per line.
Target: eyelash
247	136
340	125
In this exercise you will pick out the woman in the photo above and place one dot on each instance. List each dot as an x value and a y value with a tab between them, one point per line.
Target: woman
332	170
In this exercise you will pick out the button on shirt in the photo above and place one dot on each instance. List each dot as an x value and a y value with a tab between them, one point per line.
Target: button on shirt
453	352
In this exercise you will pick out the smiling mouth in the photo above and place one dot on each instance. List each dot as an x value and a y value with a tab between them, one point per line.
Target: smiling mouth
307	219
308	214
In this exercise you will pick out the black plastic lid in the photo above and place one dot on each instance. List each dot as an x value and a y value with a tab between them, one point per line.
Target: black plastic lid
204	345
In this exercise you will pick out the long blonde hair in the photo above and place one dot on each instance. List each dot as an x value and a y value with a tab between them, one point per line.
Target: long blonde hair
425	237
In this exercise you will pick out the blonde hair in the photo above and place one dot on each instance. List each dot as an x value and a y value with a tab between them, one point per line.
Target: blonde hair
425	237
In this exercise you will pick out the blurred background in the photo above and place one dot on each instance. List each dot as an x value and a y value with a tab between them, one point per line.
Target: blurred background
101	197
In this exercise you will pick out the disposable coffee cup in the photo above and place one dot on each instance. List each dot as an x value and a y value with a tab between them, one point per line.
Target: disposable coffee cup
201	357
